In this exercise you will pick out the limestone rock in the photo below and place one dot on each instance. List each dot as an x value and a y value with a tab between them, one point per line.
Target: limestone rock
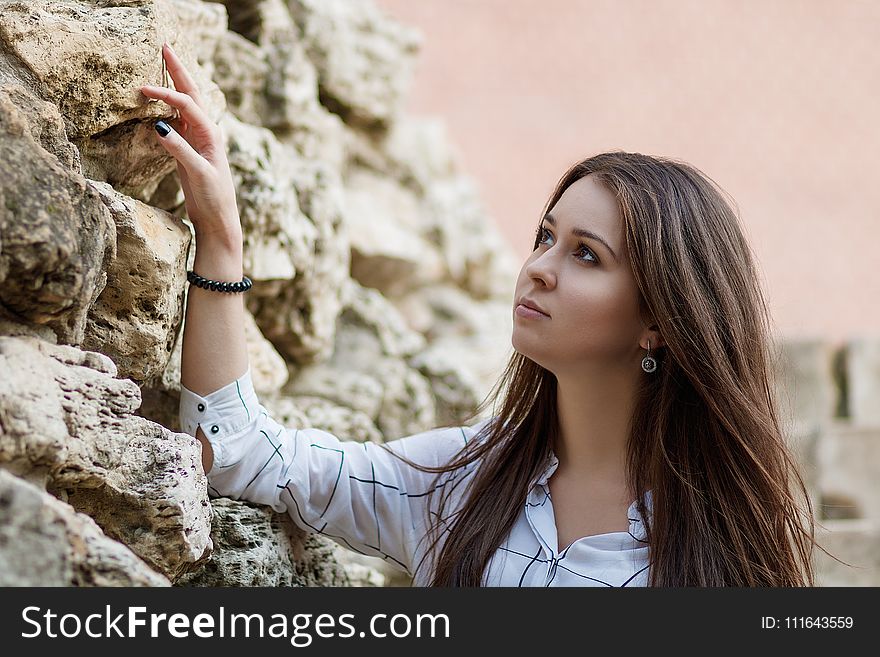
360	391
456	390
43	123
294	410
372	339
364	570
299	316
343	422
405	152
254	546
90	59
45	542
66	422
276	232
134	321
269	80
418	151
369	313
364	57
476	333
475	254
397	258
168	195
284	410
442	216
368	373
12	328
241	70
408	406
480	357
56	237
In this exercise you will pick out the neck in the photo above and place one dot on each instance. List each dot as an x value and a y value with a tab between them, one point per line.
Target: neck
594	415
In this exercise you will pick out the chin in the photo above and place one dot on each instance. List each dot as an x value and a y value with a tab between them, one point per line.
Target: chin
524	350
535	349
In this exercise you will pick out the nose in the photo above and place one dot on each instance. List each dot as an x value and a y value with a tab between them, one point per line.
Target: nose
542	269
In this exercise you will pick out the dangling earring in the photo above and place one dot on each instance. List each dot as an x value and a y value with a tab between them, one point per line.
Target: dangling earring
649	363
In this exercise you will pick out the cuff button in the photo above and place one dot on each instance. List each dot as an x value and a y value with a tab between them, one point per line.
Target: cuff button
201	407
215	429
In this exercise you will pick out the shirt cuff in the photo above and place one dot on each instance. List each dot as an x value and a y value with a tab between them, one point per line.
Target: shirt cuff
221	413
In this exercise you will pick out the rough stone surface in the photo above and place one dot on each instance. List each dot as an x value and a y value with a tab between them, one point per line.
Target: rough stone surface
364	58
360	391
254	546
476	334
57	236
66	423
398	258
263	69
298	315
476	257
45	542
42	121
134	319
93	59
364	570
346	423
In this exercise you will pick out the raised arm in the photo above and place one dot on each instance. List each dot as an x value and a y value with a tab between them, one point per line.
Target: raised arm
357	494
214	348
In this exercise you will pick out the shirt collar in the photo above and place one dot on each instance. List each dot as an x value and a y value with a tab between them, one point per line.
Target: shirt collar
549	468
636	521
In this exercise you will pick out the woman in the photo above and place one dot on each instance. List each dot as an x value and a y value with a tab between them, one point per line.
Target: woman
636	441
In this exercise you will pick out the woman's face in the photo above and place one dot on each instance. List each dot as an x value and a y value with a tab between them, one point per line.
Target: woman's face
587	290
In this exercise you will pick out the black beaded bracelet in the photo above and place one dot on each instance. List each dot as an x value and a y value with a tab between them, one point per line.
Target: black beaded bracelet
219	286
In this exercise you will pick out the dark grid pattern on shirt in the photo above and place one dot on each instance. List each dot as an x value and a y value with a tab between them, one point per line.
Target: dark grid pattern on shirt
555	563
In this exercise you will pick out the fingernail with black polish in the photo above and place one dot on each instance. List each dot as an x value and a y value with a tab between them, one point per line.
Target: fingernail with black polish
162	128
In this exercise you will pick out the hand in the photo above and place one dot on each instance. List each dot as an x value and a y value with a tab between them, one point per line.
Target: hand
197	144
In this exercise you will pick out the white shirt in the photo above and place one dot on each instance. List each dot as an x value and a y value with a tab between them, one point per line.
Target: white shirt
369	501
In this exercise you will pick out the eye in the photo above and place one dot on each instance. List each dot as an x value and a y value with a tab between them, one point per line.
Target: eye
582	248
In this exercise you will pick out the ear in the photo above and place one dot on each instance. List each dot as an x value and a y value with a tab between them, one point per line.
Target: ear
652	333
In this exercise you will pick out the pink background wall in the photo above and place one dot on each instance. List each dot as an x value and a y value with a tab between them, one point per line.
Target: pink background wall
778	102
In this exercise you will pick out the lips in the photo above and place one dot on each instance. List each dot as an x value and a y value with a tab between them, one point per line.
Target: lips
529	303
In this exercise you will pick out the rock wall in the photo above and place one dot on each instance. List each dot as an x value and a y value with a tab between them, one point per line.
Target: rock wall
381	303
381	298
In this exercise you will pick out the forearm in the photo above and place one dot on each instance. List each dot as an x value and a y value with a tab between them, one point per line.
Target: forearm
214	348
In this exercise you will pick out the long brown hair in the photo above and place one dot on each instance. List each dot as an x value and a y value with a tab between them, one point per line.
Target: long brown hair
704	431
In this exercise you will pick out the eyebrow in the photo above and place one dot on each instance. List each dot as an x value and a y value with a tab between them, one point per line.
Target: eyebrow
581	232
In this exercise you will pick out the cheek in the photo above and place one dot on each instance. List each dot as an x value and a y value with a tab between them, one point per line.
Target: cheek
606	311
598	302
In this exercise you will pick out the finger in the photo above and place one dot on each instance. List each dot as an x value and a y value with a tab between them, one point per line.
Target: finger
182	79
179	124
180	149
193	114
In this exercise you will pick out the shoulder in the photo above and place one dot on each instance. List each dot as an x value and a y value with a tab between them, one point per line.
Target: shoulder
437	446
